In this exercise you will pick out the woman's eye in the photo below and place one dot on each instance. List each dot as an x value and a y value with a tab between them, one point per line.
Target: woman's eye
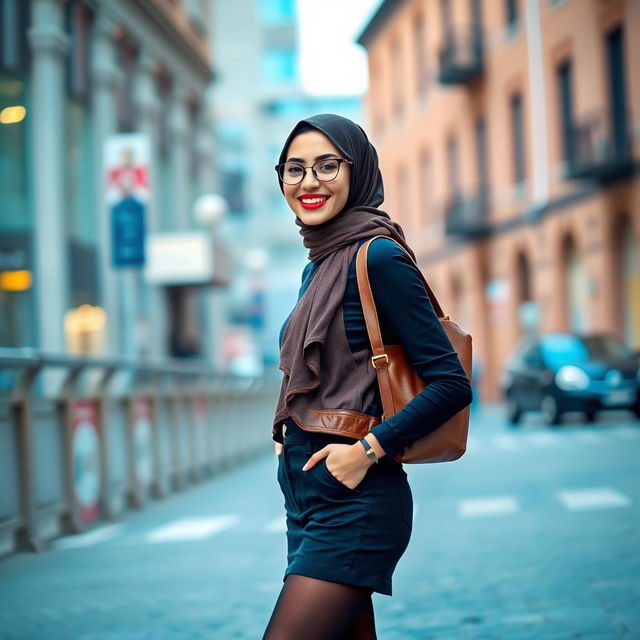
328	167
294	170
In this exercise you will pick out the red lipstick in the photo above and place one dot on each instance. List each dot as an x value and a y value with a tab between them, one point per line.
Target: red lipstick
311	201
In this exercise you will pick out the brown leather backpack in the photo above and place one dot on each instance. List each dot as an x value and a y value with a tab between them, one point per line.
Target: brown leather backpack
398	381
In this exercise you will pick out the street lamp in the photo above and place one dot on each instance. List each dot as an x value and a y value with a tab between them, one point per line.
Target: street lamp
209	209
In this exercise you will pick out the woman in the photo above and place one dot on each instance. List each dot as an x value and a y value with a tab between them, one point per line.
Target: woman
348	502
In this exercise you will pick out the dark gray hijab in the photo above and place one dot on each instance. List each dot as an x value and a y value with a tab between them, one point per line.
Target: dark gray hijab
365	186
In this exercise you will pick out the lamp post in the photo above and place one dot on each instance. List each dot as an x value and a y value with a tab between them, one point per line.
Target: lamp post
208	210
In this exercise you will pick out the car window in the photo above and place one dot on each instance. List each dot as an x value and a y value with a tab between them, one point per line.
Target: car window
606	347
532	357
560	349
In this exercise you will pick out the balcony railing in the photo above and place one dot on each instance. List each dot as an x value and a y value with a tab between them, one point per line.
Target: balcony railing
467	217
599	147
461	57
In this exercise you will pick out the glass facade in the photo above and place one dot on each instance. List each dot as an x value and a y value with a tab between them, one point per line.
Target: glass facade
16	215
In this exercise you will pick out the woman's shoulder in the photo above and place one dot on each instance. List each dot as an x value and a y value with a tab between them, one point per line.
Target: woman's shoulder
384	253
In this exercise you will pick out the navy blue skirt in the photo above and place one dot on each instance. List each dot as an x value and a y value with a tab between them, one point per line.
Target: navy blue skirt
351	536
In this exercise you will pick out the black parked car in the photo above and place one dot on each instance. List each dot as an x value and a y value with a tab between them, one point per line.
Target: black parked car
559	372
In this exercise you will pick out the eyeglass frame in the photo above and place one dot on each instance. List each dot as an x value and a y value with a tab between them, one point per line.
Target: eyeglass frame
313	171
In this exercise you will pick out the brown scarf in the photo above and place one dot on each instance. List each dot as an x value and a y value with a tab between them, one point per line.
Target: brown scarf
333	244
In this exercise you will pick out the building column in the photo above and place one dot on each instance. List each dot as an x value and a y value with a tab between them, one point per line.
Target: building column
106	77
49	45
179	159
151	327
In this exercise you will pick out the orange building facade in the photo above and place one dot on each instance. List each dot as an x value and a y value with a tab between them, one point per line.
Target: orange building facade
509	140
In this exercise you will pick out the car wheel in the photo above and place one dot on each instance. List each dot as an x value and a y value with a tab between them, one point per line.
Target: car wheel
636	410
550	411
590	416
514	413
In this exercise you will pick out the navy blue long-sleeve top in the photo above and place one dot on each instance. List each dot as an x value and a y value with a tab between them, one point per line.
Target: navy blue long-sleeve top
407	318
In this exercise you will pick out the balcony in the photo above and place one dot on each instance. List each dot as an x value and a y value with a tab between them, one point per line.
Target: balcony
461	57
599	148
467	217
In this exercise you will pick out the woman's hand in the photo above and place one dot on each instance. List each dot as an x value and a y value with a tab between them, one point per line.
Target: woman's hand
348	463
278	448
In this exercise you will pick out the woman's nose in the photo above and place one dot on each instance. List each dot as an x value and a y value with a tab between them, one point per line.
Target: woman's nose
309	178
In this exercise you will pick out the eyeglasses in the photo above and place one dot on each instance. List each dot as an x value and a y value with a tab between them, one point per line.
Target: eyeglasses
324	170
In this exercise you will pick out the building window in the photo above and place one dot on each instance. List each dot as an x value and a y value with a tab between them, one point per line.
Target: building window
564	81
403	199
511	14
14	23
426	184
78	21
617	91
453	167
397	70
447	21
517	138
279	66
482	159
420	49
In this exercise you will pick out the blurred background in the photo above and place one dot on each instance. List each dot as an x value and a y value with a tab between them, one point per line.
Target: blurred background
140	213
148	261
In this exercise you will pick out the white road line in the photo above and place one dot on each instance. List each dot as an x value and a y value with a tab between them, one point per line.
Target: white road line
544	439
628	433
88	539
191	529
506	443
594	498
489	506
589	437
277	525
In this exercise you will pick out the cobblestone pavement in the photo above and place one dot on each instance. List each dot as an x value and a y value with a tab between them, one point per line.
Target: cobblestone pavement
533	534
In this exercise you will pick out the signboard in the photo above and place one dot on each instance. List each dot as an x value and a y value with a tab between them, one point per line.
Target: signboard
127	158
85	448
180	258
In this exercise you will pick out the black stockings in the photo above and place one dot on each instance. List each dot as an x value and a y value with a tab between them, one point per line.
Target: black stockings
313	609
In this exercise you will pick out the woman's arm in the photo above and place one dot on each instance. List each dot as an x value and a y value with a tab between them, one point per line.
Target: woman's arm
405	312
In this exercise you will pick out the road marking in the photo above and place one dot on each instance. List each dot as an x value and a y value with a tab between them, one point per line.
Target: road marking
628	433
493	505
589	437
277	525
595	498
544	439
88	539
506	443
191	529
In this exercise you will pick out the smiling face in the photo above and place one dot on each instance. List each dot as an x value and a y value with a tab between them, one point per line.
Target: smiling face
313	201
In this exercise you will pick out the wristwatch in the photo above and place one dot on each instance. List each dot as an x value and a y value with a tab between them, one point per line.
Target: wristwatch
371	454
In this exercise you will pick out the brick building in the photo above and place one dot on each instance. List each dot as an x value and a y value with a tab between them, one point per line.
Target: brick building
509	137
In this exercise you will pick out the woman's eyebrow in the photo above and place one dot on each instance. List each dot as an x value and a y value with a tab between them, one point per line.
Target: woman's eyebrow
324	156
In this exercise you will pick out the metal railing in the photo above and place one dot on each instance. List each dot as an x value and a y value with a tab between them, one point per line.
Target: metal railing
461	57
85	439
599	146
467	216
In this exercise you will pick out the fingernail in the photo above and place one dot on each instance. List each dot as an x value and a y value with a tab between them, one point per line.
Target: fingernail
304	468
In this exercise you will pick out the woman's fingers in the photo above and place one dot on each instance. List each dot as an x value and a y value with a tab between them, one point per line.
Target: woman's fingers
278	448
316	457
